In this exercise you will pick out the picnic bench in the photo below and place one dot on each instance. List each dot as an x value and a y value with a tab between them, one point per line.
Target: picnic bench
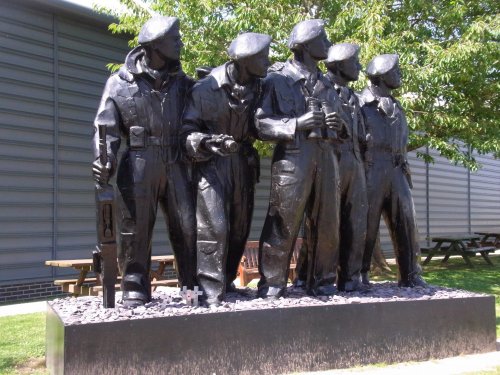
465	245
91	286
249	264
490	238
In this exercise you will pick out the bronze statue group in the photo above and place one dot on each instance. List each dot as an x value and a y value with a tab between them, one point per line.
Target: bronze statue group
339	163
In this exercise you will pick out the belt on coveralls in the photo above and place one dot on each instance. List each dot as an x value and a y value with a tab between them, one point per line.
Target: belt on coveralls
158	141
153	141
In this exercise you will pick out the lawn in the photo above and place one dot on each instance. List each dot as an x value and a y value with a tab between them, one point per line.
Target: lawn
22	344
22	337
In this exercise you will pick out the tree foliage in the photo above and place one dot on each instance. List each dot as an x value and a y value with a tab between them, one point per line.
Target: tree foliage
449	54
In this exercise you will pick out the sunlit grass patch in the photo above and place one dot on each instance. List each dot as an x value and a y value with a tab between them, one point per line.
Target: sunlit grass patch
22	344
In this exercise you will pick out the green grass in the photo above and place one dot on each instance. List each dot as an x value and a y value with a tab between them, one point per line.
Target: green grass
22	344
482	278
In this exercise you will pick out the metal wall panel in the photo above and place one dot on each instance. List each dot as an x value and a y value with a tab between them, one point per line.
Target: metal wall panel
52	72
485	195
448	197
26	143
83	52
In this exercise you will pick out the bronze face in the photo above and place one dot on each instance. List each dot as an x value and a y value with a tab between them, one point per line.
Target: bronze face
256	65
392	78
170	46
318	47
350	68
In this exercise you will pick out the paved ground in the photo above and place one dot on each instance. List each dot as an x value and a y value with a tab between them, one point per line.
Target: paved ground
488	363
23	308
470	364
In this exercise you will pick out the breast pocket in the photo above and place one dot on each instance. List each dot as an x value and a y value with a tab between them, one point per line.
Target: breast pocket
209	109
126	100
286	103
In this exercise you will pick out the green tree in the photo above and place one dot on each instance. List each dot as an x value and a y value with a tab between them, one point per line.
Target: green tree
449	54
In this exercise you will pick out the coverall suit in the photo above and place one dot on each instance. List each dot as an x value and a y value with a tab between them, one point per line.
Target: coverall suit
226	184
304	179
145	110
389	182
353	197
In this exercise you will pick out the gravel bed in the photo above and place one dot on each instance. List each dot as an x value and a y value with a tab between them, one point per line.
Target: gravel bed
167	302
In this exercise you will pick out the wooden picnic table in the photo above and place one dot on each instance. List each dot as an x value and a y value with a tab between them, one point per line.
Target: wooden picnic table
465	245
85	285
490	238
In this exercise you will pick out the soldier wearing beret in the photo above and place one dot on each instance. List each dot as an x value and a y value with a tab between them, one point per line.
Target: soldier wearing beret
143	103
388	176
218	128
300	112
343	67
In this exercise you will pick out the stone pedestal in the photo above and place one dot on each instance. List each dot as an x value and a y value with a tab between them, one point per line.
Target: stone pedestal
272	341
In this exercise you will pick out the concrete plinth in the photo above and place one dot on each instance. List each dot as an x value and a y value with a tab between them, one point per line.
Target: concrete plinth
275	341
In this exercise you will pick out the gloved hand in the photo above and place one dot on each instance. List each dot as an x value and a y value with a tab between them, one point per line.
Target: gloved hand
311	120
101	173
221	144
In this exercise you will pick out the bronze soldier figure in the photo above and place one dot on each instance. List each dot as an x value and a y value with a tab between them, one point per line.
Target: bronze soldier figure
218	126
343	67
300	112
143	102
388	175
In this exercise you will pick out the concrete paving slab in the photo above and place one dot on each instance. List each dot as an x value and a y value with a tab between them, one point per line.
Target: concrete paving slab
467	364
23	308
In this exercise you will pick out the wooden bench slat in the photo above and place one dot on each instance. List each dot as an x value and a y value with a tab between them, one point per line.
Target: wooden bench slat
480	249
98	288
168	282
249	264
82	290
74	281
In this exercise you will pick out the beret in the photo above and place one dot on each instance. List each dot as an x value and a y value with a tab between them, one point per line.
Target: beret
248	44
341	52
156	28
381	64
306	31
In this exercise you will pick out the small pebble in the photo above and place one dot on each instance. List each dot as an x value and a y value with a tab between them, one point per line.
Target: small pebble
85	310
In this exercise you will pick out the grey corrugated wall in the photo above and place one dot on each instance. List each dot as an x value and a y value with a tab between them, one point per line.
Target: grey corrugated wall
485	195
52	71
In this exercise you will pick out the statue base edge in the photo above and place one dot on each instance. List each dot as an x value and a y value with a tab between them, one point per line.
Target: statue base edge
279	340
